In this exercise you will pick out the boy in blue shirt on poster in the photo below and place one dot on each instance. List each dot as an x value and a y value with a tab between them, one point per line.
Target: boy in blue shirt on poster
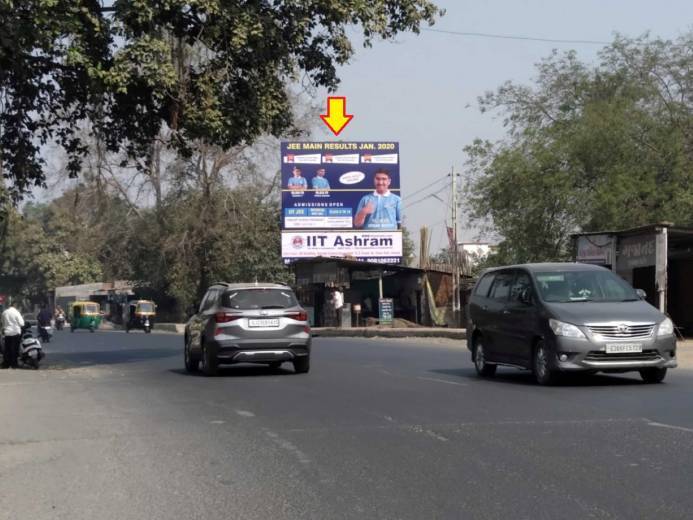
297	182
319	182
380	210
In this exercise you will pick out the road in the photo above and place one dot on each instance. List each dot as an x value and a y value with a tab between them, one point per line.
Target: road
112	427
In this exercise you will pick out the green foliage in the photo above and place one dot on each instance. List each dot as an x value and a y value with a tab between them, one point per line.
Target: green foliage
597	148
408	248
208	70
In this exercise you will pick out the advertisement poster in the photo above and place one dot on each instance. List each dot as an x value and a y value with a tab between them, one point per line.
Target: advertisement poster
346	187
382	246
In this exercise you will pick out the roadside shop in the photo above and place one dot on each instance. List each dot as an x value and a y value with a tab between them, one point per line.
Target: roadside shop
374	293
657	258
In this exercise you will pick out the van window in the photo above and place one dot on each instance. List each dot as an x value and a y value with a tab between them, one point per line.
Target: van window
501	286
484	285
522	282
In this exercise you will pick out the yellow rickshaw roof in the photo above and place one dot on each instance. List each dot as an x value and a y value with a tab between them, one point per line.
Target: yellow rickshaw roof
83	302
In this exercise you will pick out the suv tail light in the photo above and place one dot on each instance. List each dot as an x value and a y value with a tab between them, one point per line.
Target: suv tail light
300	316
223	317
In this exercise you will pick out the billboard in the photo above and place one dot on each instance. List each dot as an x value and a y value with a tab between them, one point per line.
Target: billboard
380	246
347	192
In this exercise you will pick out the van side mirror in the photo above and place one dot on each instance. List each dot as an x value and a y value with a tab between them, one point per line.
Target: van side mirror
192	309
641	294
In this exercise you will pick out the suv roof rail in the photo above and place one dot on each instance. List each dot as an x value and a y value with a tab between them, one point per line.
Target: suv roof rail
220	283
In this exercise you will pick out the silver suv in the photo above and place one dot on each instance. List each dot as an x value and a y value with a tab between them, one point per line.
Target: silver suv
553	318
247	323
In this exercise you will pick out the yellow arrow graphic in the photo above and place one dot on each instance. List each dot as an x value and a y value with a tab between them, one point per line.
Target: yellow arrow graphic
336	118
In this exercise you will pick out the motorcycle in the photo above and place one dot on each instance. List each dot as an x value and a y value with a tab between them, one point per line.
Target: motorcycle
45	332
59	321
30	350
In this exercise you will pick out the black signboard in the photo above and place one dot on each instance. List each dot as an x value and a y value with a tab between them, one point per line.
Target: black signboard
387	310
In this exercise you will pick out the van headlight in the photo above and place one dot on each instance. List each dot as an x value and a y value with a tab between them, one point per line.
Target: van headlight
567	330
666	328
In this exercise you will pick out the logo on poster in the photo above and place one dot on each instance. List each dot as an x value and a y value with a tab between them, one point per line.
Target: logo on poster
352	177
297	242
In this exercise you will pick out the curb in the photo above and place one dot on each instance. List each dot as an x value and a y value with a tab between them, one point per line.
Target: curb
355	332
373	332
176	328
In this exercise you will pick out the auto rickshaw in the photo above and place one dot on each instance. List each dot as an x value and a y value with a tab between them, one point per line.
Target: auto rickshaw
85	315
140	314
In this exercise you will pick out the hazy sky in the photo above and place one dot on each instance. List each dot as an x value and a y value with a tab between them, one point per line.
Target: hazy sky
422	90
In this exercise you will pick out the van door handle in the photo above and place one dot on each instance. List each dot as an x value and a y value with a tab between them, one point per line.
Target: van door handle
506	311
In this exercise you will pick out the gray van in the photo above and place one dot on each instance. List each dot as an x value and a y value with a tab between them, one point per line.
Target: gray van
562	317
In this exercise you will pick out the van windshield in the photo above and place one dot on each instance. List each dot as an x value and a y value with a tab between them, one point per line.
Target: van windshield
582	286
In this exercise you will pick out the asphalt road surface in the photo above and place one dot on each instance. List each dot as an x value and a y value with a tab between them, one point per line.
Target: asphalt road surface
112	427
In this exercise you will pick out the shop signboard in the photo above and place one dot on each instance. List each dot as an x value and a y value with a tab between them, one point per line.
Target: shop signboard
636	251
594	249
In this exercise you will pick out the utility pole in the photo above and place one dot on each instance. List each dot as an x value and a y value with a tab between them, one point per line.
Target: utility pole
455	255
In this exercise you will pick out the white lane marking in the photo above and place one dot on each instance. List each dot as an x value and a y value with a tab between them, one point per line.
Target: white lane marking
217	422
417	428
670	426
245	413
441	381
288	446
435	435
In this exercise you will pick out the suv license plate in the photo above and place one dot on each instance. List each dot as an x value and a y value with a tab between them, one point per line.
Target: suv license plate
264	323
623	348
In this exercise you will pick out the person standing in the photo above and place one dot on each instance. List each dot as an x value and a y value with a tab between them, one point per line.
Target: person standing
319	182
297	182
12	323
380	210
337	304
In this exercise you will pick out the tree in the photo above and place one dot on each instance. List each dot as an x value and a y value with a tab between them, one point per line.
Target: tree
209	70
605	147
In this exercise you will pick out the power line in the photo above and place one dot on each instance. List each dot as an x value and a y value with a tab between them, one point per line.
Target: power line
425	197
516	37
428	186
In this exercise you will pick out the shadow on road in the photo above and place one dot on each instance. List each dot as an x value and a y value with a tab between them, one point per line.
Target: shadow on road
240	371
64	360
525	377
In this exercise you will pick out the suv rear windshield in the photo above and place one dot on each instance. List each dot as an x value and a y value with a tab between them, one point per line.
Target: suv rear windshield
583	286
259	299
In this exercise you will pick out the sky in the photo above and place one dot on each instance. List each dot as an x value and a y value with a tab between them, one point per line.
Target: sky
422	90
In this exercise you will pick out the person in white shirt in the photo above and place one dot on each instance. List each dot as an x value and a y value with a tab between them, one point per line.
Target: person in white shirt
12	323
337	303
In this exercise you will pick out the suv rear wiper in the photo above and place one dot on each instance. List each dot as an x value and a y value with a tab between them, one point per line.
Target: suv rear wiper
273	307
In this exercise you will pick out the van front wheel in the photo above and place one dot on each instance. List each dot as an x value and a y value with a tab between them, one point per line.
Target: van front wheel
483	368
543	372
653	375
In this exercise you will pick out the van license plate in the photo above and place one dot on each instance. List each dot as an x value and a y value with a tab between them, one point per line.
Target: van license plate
621	348
264	323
